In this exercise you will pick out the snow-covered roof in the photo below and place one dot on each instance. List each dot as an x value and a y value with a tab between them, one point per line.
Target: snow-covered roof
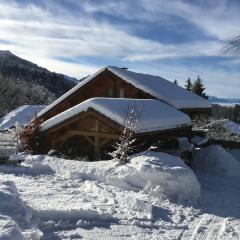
152	115
156	86
21	115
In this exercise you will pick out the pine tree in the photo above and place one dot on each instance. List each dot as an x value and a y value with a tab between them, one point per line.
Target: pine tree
198	88
175	82
188	85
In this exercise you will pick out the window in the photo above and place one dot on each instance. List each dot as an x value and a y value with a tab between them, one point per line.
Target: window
121	93
110	92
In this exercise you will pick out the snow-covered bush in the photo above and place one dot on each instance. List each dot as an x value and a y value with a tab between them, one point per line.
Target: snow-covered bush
215	159
218	129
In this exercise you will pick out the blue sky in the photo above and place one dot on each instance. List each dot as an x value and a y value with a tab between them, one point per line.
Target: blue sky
175	39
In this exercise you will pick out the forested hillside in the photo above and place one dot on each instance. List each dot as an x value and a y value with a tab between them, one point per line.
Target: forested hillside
23	82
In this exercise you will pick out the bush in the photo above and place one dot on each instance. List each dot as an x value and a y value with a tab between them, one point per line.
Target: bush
30	138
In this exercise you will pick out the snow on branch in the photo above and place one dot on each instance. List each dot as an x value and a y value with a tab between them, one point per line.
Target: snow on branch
217	129
124	146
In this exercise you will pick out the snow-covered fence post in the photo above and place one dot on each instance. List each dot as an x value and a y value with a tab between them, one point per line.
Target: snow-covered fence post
124	146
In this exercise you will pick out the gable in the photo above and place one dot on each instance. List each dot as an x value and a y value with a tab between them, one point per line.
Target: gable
100	86
135	85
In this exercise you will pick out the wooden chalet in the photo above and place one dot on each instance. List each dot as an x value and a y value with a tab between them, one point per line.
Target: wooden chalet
116	82
88	118
90	128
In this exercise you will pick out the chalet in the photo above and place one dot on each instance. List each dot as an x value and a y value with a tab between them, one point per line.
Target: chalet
97	122
89	118
116	82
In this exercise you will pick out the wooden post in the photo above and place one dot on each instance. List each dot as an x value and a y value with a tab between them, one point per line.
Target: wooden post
97	147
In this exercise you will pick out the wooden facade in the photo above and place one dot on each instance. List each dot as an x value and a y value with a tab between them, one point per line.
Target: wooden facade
106	84
93	135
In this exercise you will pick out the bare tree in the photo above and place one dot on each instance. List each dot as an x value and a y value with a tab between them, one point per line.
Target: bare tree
233	46
124	146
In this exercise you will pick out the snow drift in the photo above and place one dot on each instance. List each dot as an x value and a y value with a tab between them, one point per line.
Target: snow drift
21	115
160	174
235	153
215	159
15	215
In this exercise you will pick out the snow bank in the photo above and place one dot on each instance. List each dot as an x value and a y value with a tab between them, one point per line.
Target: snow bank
235	153
215	159
21	115
37	167
14	213
9	230
156	173
11	203
165	175
232	126
198	141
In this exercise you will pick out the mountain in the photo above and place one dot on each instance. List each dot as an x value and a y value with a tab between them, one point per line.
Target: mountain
224	101
16	67
25	83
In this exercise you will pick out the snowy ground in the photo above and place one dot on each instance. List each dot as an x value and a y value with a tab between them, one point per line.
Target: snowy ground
61	199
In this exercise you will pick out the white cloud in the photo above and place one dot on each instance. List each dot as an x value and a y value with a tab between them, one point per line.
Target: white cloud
38	30
218	18
42	35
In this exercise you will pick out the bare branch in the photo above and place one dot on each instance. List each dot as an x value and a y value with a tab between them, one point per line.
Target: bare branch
232	47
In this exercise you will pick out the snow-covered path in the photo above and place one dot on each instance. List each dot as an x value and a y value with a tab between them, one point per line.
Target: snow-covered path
220	210
64	204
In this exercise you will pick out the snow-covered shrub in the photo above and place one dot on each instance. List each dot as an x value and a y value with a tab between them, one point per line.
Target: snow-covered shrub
215	159
218	129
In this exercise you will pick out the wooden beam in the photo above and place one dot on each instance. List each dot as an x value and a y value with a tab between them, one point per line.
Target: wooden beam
71	133
66	123
96	138
89	139
104	142
107	121
92	134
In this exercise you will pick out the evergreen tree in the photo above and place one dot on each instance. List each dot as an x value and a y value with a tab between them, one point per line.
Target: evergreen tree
188	85
175	82
198	88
